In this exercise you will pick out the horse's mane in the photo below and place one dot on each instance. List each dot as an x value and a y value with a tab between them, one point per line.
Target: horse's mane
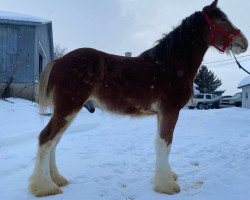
176	39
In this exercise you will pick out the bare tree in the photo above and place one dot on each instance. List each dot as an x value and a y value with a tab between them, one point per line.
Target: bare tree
16	62
59	51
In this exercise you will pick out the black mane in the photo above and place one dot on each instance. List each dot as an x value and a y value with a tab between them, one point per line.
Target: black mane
179	39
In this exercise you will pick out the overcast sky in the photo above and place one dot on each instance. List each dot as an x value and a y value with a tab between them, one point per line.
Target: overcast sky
118	26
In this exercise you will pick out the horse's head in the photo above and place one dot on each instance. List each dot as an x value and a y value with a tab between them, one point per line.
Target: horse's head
222	33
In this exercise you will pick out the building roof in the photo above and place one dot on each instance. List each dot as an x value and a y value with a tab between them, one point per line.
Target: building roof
12	16
244	82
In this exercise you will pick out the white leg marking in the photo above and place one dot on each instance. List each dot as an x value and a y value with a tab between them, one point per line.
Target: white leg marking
46	178
41	183
164	180
55	175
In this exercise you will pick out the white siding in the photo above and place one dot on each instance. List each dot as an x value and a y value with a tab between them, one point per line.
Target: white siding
246	97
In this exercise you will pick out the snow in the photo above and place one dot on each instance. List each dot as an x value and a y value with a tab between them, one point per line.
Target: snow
244	82
21	17
109	157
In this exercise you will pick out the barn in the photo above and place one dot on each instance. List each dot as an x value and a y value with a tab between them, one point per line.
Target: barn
26	46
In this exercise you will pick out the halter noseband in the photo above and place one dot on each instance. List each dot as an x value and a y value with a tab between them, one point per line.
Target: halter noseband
229	36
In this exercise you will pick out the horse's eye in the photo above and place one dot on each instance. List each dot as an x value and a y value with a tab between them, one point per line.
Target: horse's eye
223	19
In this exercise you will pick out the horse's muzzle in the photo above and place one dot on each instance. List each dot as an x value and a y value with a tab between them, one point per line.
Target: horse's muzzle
239	44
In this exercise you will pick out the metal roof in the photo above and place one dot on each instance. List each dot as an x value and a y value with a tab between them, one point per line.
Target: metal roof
10	17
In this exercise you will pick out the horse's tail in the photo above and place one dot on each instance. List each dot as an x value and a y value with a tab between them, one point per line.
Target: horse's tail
45	93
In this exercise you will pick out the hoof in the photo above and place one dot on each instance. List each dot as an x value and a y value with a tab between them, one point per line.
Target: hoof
39	186
170	188
60	181
165	183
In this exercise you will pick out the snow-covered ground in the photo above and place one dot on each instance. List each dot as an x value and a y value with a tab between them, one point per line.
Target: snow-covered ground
109	157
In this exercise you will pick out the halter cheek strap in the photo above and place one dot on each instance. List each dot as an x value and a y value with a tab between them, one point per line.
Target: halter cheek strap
213	29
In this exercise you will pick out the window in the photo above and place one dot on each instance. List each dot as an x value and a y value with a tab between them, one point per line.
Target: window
208	97
40	64
246	95
199	96
237	95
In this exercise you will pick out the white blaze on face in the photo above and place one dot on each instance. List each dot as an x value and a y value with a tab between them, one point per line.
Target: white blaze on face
239	43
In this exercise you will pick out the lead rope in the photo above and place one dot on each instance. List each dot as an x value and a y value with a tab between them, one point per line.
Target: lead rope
239	65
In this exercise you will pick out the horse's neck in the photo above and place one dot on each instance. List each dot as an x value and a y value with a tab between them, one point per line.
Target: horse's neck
196	58
192	52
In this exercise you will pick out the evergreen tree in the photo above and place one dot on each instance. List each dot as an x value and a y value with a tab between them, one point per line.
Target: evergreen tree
207	81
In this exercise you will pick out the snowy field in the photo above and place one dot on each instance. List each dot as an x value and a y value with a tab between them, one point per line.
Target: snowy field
109	157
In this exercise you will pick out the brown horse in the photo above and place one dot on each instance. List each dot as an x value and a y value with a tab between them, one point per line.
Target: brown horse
159	81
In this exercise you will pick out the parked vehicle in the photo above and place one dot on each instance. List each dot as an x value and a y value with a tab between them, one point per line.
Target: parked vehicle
235	100
214	103
204	101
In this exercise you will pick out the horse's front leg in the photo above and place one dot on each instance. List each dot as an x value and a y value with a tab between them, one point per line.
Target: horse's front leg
165	179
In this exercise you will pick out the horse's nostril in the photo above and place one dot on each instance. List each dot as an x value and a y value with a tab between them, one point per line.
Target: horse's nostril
242	46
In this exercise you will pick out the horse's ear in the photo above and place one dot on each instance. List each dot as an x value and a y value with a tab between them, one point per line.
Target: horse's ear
213	5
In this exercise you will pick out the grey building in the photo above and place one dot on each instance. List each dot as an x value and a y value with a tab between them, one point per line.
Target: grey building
26	46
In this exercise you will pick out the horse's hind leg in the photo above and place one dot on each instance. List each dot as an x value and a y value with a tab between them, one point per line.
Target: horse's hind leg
45	171
41	183
165	179
56	177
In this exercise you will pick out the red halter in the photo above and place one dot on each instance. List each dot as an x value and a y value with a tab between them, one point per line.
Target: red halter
229	36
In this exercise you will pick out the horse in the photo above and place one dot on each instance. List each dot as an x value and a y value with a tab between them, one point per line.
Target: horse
157	82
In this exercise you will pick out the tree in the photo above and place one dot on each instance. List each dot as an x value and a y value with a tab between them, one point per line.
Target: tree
207	81
59	51
16	62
